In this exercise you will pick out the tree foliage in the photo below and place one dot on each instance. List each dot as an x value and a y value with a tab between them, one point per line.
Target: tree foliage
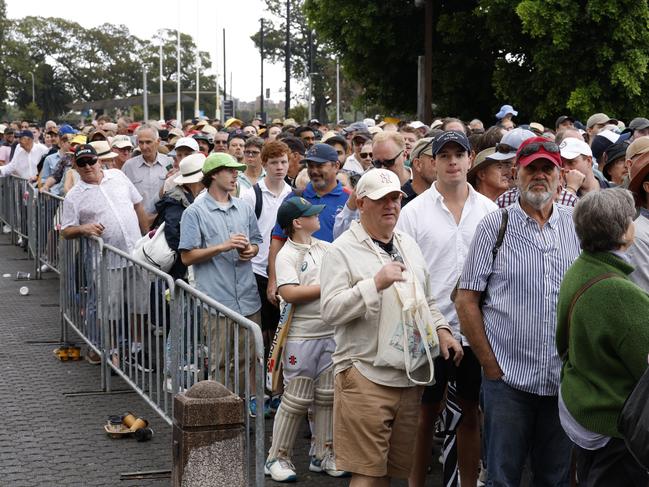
545	57
72	63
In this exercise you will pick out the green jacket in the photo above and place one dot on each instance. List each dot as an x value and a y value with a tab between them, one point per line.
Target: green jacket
609	340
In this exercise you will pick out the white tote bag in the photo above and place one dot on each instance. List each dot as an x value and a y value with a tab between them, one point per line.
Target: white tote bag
407	339
155	251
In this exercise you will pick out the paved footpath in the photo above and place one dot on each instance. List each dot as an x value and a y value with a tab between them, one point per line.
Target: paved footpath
53	432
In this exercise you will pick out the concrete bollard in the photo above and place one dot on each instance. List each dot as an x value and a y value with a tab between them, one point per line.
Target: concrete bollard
209	437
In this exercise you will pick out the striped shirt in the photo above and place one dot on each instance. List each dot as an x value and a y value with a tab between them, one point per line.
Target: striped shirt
522	288
510	197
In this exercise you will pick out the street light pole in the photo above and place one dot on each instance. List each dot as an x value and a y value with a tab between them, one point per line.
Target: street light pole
261	49
337	90
179	110
197	110
162	106
145	99
287	55
33	89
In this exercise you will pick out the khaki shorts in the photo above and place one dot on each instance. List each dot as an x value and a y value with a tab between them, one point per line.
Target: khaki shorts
219	337
128	289
375	426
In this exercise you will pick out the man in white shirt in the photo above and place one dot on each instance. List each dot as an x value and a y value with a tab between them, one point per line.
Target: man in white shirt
265	197
24	163
442	220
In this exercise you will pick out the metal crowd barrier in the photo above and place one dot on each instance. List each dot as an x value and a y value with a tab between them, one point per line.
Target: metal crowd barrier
212	341
48	224
158	335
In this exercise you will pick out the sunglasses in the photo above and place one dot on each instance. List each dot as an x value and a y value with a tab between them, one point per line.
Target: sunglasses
365	155
378	163
251	153
86	162
220	142
536	146
505	148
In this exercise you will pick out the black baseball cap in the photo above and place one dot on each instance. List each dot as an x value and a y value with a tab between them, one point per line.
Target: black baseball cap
450	136
85	151
562	119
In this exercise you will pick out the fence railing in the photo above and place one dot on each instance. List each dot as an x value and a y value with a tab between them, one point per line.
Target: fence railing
158	335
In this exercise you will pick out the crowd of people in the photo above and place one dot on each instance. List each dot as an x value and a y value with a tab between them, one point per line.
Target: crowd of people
412	257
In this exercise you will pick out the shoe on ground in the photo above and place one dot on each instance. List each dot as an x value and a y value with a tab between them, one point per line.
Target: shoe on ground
92	357
45	268
327	465
267	411
280	470
140	360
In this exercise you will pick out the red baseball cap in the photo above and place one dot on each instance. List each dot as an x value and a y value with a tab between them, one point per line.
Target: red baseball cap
536	148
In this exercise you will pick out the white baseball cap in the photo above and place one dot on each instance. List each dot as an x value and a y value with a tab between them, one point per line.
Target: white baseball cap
121	141
571	148
187	142
376	183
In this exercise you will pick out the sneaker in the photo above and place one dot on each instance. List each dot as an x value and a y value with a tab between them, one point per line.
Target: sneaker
327	465
45	268
6	229
280	470
252	409
275	401
267	412
141	361
93	357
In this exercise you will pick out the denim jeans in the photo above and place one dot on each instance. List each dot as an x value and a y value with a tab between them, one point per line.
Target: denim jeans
519	425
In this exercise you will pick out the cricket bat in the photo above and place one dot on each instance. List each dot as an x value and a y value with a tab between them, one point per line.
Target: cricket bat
274	366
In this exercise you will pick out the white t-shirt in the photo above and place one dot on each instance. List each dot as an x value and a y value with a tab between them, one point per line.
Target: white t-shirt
352	164
300	264
266	220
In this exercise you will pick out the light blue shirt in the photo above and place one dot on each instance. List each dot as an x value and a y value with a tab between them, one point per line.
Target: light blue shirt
225	278
522	289
49	165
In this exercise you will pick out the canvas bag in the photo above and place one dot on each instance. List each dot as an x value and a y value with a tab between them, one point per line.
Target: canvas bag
406	338
154	250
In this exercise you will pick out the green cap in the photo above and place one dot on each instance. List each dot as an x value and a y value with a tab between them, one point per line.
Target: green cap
296	207
221	159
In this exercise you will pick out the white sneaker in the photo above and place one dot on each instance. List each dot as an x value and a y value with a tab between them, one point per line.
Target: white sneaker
280	470
6	229
45	268
327	465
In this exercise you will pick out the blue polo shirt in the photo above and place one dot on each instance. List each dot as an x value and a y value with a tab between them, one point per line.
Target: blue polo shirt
333	201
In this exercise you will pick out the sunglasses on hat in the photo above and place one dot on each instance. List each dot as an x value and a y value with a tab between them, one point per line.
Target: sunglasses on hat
536	146
378	163
505	148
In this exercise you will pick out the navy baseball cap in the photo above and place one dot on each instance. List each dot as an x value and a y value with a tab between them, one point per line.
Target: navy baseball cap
450	136
321	153
25	133
85	151
296	207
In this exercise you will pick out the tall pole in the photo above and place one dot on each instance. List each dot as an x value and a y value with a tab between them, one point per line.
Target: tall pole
162	105
337	90
225	72
33	89
197	110
217	110
145	99
261	49
179	109
287	55
310	41
428	63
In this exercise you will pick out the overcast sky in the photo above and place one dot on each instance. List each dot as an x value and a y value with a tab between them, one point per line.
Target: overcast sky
143	18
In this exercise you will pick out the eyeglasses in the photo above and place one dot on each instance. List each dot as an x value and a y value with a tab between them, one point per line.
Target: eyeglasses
220	142
86	162
505	148
378	163
365	155
251	153
536	146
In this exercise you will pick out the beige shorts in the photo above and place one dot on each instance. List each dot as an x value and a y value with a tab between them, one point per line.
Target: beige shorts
128	289
375	426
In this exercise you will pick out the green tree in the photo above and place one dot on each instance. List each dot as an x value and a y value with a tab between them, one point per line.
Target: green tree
579	57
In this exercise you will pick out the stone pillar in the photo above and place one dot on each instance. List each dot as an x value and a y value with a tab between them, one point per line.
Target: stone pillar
209	437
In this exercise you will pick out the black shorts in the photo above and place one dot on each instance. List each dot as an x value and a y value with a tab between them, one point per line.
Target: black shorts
269	312
467	376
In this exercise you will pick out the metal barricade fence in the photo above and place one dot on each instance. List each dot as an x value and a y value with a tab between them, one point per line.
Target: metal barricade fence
20	192
136	317
210	341
4	201
80	291
48	210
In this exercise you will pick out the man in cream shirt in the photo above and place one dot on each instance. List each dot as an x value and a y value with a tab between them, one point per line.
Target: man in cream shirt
376	408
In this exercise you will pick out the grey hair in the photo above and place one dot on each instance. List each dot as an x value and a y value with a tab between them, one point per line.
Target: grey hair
602	218
146	126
